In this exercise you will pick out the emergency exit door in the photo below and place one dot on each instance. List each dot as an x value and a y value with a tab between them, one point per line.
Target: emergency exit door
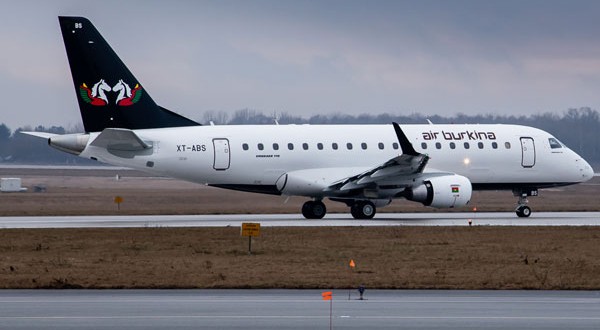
222	155
528	152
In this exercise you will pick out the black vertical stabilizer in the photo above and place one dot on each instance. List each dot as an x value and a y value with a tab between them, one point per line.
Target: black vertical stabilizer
108	93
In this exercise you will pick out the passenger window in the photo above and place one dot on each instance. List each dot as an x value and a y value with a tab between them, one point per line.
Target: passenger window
424	145
507	145
320	146
380	145
261	146
245	146
395	146
554	144
291	146
452	145
349	146
438	145
480	145
305	146
494	145
334	146
363	146
467	146
275	146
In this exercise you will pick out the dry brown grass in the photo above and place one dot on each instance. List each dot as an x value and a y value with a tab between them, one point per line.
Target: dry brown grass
391	257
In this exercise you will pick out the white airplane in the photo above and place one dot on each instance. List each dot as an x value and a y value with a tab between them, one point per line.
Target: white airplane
363	166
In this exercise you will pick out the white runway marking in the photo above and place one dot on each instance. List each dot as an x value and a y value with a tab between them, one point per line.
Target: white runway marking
294	220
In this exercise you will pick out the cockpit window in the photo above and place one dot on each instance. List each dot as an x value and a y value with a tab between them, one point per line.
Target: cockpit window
554	144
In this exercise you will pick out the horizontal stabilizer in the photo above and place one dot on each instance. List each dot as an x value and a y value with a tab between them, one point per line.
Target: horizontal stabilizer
42	135
120	139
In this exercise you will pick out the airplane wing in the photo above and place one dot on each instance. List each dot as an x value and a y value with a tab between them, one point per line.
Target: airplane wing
396	173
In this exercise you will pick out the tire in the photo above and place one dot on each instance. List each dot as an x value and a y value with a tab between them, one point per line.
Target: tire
355	211
319	210
526	211
307	209
314	210
523	211
363	210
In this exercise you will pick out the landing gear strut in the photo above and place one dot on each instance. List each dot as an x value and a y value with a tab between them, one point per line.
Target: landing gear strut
314	210
363	210
522	210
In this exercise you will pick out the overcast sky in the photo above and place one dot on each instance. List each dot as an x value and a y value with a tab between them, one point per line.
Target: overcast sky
313	57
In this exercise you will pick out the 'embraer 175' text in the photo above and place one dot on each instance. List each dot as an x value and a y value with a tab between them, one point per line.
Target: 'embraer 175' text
464	135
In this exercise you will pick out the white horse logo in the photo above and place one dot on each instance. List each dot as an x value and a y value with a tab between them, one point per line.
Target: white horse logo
96	95
126	96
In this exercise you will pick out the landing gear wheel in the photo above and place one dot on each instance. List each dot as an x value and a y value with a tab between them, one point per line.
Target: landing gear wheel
363	210
314	210
523	211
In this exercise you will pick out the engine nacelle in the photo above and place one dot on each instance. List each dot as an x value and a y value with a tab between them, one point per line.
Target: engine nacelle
442	191
310	182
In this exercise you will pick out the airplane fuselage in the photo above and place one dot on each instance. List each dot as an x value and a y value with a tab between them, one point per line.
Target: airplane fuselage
255	157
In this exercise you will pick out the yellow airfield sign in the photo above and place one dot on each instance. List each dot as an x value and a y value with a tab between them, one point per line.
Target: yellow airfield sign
250	229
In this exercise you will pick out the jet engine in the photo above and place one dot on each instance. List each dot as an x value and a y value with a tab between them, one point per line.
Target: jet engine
312	182
445	191
304	182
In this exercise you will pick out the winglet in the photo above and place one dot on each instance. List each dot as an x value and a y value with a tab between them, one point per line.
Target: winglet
407	147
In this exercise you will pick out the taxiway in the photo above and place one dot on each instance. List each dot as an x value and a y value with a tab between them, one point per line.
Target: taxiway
297	309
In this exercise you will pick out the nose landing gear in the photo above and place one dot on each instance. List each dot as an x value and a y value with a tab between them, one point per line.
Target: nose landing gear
522	210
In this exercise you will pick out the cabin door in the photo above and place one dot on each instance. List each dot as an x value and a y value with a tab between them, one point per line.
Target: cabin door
222	155
528	152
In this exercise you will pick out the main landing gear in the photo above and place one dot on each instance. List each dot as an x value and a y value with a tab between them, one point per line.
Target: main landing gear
363	210
522	210
360	209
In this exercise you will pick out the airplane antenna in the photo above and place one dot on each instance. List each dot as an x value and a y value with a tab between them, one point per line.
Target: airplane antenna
429	121
212	123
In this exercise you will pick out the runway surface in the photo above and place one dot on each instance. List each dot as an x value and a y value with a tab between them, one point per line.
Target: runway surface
272	220
297	309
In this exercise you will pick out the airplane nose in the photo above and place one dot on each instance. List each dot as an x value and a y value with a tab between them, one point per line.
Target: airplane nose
586	170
